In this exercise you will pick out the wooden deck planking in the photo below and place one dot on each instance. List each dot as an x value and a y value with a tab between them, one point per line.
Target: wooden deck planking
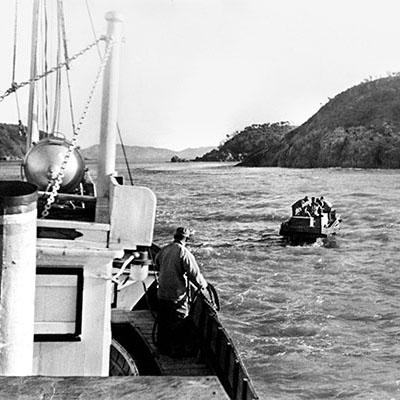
111	388
143	322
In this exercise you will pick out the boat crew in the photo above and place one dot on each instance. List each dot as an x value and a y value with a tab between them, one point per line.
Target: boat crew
299	206
177	268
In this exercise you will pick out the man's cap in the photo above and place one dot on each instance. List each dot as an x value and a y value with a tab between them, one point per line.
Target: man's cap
185	232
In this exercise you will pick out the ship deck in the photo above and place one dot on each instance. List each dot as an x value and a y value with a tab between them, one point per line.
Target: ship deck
106	388
143	321
185	378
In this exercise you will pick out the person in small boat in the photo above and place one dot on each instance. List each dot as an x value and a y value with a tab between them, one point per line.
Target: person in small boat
326	208
325	205
177	267
314	208
299	206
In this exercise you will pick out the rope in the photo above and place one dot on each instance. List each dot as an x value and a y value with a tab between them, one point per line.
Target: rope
125	157
45	58
148	301
14	65
92	26
57	92
214	298
64	36
15	42
18	86
60	10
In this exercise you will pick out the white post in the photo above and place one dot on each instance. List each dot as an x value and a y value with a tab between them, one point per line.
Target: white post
108	129
17	276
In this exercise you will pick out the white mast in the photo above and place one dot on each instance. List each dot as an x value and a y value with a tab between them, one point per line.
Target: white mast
33	130
108	129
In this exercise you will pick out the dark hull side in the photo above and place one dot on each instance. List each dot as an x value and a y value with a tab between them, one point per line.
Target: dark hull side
301	230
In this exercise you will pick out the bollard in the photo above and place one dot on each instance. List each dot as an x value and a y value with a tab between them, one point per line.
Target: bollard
17	276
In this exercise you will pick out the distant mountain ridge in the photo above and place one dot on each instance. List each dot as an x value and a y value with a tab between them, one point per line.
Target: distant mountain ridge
148	154
13	143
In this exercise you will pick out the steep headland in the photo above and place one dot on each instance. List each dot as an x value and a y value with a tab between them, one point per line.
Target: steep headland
241	144
148	154
359	128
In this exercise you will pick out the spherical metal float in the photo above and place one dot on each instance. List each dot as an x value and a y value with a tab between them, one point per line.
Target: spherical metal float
43	161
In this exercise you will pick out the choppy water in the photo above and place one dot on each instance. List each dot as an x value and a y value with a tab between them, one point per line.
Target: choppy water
312	322
319	321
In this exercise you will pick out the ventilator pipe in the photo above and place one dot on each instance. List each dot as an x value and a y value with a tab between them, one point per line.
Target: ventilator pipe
17	276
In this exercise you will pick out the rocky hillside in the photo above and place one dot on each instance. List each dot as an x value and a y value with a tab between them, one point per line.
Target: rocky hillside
12	142
241	144
359	128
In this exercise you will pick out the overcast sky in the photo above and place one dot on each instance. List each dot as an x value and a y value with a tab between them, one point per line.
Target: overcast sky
194	71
